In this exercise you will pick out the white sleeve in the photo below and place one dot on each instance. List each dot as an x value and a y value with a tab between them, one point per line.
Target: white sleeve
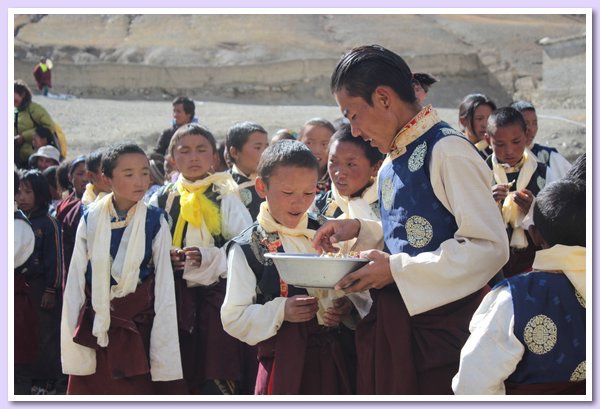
165	359
213	266
24	242
479	248
492	352
559	165
76	359
242	318
234	215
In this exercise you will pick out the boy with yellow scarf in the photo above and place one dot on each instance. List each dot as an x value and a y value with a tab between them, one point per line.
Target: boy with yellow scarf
529	334
518	177
299	348
204	212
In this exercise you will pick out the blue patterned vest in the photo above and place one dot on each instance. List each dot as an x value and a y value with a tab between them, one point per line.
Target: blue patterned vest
550	323
413	219
255	242
152	228
543	153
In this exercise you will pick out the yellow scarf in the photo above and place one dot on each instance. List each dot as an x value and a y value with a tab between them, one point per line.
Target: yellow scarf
482	145
511	213
131	252
298	240
568	259
197	209
89	196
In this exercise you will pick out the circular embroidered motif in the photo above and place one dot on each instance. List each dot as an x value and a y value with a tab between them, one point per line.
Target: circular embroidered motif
387	193
580	299
416	160
541	182
245	196
579	373
540	334
543	156
418	231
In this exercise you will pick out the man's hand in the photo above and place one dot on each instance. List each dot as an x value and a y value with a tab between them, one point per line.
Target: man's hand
333	316
177	259
193	256
335	231
376	274
19	140
300	308
524	199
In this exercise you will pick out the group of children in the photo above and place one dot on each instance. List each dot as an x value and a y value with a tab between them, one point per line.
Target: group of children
171	293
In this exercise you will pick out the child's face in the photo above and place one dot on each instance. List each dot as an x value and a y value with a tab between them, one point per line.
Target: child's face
290	192
194	156
349	169
130	179
316	138
508	144
37	141
43	163
532	125
247	158
79	179
26	197
480	120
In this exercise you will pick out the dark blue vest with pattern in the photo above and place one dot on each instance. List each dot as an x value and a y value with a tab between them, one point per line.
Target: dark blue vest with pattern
550	323
543	153
413	219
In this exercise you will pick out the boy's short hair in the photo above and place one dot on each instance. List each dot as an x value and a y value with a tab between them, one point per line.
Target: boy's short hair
62	176
316	122
361	70
559	213
50	173
522	106
505	116
40	186
285	153
344	134
577	170
112	153
188	105
93	160
424	80
191	129
238	134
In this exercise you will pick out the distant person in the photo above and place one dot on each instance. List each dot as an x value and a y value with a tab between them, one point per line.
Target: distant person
222	161
97	186
184	111
549	156
245	142
43	75
473	114
45	157
284	134
50	174
42	137
28	116
316	134
422	82
157	177
528	336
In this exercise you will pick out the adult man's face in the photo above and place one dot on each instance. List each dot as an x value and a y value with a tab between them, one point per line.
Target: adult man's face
180	116
375	124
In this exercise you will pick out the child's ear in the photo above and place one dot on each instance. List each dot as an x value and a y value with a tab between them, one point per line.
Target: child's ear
233	153
106	180
463	123
375	168
536	237
261	187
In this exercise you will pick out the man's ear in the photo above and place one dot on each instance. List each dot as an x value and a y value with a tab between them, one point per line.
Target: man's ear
536	237
261	187
382	96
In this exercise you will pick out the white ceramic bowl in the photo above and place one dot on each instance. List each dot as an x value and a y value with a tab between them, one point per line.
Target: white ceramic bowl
312	270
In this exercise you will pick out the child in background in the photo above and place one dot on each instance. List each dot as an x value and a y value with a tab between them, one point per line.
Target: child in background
352	167
222	161
42	136
532	328
44	157
119	328
422	82
473	114
204	212
316	134
284	134
298	345
245	142
518	178
55	193
97	187
157	176
547	155
44	278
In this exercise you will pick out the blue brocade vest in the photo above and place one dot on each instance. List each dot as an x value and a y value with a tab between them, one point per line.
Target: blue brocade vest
413	218
152	228
550	323
543	153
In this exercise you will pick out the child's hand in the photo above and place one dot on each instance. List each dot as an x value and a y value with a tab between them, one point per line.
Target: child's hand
48	300
177	259
500	191
300	308
524	199
333	315
193	257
